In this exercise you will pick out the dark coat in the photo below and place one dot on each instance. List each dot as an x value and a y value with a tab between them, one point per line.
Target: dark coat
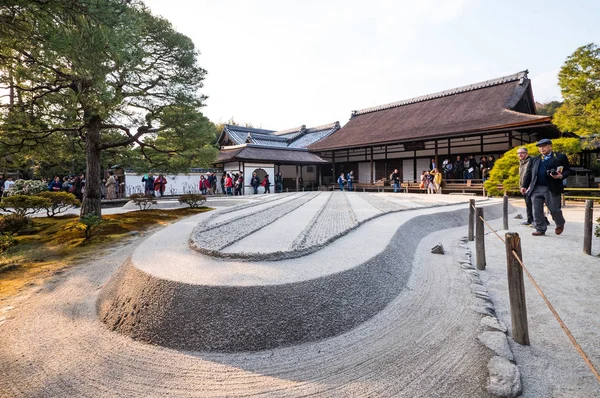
556	160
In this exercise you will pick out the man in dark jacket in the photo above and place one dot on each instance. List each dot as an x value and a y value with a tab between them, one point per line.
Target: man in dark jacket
543	181
255	182
524	159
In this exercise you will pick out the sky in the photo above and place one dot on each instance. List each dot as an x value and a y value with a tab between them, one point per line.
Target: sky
278	64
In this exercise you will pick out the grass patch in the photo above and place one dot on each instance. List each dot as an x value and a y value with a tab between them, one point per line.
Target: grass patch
53	244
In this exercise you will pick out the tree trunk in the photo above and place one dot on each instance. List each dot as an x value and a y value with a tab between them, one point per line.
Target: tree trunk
93	176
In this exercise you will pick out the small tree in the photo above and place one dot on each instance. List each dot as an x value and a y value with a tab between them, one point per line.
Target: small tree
88	224
579	81
59	202
24	204
144	201
194	200
27	187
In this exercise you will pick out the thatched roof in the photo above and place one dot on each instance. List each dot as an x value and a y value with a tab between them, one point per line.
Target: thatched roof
503	103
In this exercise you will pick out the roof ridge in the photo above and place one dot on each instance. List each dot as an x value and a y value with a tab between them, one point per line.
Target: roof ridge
291	130
248	129
522	76
324	127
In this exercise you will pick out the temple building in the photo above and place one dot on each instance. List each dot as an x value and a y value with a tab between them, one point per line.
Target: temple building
251	150
486	118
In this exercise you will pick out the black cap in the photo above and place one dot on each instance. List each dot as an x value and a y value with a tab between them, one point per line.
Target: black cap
544	141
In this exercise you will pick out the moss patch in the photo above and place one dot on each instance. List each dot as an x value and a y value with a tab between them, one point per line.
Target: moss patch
53	244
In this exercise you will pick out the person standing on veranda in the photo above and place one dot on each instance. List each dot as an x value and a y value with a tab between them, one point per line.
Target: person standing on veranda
395	177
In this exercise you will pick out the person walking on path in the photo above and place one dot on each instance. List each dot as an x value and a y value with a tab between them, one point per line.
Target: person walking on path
278	182
255	183
228	184
111	192
148	180
160	185
202	184
350	179
395	177
543	182
437	181
524	159
341	180
267	184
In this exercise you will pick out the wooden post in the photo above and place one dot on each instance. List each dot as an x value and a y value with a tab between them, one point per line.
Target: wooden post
471	220
588	222
479	239
505	212
516	289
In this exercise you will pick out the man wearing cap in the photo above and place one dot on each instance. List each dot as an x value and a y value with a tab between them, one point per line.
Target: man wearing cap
543	183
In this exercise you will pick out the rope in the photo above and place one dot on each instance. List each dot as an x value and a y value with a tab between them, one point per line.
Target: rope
550	306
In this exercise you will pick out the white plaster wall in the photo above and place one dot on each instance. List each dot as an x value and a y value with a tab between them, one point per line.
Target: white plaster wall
176	184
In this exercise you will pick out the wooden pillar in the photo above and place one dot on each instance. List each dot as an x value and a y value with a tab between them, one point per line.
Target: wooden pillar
481	143
437	164
333	166
320	171
387	171
471	220
588	222
505	212
516	289
510	139
297	180
415	165
479	239
372	164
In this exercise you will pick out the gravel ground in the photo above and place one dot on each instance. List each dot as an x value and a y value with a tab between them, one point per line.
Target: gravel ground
422	344
210	239
550	366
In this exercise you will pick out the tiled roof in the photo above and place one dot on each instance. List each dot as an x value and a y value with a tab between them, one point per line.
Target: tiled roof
250	152
298	137
478	107
314	134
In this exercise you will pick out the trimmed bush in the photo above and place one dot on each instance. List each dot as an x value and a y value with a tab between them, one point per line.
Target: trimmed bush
27	187
88	224
59	202
6	240
24	204
14	223
144	201
193	200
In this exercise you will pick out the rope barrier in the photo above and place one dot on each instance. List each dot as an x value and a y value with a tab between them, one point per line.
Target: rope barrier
550	306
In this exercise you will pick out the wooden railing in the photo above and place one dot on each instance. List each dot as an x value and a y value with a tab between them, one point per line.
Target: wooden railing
567	196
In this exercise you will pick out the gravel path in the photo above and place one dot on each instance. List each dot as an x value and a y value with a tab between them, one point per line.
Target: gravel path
422	344
281	233
333	219
210	239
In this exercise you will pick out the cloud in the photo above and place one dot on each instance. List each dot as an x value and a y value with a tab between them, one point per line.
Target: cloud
545	86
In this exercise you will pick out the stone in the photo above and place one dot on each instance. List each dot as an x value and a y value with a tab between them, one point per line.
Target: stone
519	217
491	322
484	309
505	378
497	342
438	249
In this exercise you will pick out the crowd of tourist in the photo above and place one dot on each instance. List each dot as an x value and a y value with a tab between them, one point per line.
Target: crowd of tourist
467	168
